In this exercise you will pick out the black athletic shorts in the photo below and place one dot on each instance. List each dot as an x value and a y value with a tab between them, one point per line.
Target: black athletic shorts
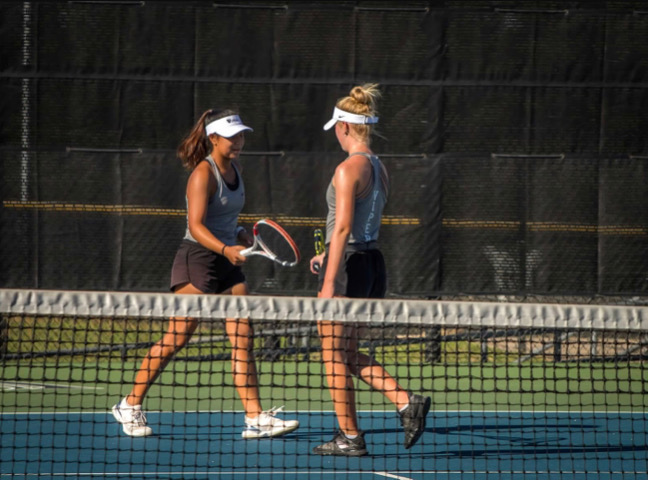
363	275
206	270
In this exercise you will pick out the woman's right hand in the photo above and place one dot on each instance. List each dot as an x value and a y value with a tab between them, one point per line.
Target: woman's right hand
233	254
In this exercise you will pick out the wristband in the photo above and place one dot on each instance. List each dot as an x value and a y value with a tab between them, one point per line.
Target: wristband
223	250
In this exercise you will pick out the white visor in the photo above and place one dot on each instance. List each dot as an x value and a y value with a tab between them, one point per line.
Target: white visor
226	126
342	116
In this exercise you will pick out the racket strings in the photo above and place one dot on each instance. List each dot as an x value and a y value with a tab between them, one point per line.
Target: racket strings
277	243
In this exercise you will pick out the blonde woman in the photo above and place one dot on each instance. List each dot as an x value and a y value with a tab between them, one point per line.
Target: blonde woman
353	266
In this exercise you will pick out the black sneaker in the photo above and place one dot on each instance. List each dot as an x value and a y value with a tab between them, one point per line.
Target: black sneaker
413	418
341	445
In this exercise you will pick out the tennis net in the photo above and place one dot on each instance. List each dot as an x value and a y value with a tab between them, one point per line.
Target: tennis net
518	390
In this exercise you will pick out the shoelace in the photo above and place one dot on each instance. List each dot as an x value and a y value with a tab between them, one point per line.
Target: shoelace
269	415
138	418
273	411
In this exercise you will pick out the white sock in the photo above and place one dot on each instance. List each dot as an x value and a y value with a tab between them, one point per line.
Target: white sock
351	437
401	410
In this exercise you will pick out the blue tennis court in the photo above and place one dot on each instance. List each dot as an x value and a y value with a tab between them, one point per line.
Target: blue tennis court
456	445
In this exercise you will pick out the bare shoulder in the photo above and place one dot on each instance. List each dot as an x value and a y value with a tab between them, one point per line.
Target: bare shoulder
352	167
346	175
357	162
202	170
359	157
201	176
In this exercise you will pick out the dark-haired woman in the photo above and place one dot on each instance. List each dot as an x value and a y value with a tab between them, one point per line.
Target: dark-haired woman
208	262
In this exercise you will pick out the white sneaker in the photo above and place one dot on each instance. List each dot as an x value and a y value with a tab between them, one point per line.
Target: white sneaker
266	425
132	419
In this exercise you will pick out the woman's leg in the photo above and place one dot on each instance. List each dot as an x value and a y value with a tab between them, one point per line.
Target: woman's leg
373	374
367	369
177	335
244	371
334	340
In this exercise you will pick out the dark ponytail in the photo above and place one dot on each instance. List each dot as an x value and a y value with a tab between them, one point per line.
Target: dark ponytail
196	145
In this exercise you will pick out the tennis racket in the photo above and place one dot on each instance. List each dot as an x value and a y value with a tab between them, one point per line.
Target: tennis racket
273	242
319	246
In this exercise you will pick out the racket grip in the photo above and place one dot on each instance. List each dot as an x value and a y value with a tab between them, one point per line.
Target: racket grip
319	246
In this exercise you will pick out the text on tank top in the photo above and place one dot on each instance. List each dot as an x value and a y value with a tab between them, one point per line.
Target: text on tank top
368	209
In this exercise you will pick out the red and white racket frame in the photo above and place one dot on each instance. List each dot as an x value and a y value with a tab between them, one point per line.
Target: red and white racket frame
260	248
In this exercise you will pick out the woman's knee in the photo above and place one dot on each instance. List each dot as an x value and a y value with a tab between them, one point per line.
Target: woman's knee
170	344
238	289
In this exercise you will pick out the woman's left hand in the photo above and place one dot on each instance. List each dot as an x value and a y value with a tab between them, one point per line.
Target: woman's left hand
319	260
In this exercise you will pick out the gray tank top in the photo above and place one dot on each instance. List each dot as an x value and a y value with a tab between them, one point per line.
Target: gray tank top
368	210
223	208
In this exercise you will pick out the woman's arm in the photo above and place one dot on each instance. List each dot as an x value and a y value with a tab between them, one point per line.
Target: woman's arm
345	181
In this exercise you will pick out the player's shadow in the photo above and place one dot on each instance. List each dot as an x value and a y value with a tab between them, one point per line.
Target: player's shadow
508	439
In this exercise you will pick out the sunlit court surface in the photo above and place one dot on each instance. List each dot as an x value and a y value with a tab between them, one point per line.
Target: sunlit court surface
456	445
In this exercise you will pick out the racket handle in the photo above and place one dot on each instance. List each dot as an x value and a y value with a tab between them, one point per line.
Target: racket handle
319	246
318	237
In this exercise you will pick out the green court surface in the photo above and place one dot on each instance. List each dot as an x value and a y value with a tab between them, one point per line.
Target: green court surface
207	385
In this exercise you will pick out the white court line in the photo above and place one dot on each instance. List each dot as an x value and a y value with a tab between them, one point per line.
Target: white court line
391	475
307	473
306	412
12	386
